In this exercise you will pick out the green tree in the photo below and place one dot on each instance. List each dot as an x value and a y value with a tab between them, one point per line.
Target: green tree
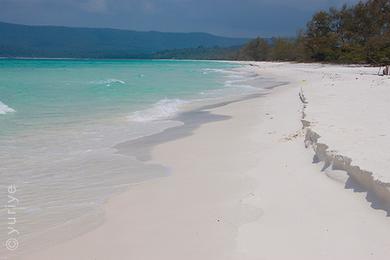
321	39
356	34
256	50
283	49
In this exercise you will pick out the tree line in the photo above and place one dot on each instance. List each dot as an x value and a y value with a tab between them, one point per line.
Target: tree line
351	34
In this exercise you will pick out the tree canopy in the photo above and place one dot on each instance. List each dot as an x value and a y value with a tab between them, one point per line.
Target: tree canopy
351	34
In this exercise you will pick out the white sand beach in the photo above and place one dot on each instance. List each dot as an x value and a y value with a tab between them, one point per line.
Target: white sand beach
244	186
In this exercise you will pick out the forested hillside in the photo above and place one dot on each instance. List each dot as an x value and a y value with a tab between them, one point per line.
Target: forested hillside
54	41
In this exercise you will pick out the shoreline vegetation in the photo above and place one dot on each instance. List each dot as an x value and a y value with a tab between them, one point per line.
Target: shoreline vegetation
358	34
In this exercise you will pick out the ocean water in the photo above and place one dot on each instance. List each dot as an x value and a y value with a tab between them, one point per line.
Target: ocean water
60	121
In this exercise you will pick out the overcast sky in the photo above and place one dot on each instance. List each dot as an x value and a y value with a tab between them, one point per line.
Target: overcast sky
239	18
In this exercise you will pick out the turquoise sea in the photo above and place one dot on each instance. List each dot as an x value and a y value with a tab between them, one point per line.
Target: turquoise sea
61	119
59	93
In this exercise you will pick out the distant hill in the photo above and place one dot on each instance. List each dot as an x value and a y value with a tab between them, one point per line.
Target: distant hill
66	42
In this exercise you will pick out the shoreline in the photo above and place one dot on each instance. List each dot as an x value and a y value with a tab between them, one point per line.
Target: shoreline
226	196
112	161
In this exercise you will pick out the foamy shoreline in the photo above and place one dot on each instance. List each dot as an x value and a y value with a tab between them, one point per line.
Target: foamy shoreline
243	186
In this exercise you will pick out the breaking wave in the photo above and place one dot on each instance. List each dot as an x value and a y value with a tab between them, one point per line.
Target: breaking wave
109	82
164	109
4	109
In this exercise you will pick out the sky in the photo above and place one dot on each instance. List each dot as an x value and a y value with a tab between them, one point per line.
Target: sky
235	18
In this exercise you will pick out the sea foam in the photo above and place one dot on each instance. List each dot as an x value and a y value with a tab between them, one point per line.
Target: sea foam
4	109
164	109
109	82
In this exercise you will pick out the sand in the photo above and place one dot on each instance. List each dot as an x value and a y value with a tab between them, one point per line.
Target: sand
244	186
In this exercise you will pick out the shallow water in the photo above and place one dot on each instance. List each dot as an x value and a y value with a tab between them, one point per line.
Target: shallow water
61	119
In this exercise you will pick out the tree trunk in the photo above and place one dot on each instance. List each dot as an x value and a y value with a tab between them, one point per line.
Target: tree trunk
386	70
